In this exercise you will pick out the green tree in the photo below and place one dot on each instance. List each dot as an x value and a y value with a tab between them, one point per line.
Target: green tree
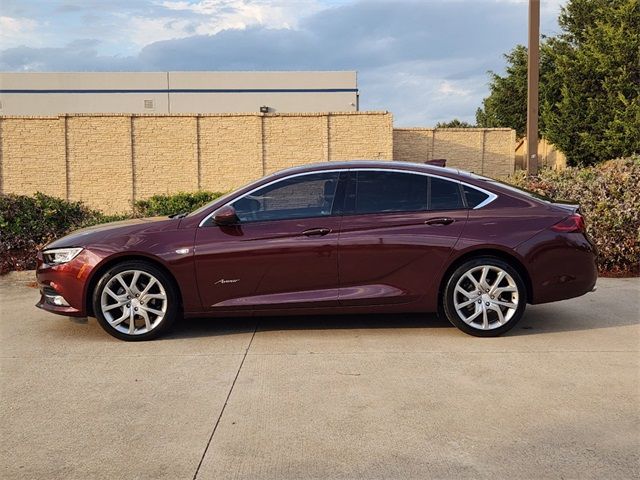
596	74
455	123
506	105
589	83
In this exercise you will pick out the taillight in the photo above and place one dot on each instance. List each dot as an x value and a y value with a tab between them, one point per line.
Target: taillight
573	223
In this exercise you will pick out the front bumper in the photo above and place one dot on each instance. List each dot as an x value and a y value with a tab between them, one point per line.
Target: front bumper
69	281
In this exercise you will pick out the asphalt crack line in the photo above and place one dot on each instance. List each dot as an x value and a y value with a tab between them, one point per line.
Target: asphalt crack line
233	384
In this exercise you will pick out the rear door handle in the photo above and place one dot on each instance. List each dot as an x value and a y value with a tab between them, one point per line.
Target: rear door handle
316	232
439	221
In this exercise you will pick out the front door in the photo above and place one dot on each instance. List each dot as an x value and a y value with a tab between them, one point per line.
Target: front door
282	253
397	232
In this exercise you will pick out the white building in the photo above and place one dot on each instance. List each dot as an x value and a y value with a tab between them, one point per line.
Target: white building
177	92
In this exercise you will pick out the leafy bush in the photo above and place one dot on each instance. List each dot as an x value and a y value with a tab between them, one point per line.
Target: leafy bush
609	199
29	222
171	204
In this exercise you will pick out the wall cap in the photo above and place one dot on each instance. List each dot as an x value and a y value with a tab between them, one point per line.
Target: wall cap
191	115
472	129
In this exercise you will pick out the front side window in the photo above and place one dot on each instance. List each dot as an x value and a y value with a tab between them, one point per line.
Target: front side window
303	196
382	192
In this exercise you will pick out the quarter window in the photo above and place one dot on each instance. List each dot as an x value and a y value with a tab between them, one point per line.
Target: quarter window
381	192
296	197
474	197
444	195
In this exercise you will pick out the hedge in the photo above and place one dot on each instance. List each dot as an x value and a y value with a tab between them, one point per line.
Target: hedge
609	198
29	222
159	205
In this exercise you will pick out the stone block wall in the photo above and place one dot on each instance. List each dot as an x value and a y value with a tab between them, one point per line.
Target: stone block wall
486	151
110	161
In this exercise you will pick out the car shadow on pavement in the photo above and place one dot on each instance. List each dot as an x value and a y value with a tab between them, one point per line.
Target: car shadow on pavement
536	321
196	327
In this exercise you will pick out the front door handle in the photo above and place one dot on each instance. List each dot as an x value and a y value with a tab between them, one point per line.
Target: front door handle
316	232
439	221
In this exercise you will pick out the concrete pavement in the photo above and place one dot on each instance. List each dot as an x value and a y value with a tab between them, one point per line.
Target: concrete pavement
397	396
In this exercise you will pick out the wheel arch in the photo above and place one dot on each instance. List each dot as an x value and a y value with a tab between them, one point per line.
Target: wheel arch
511	259
111	262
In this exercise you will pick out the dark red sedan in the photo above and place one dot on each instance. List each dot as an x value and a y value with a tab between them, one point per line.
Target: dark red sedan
332	238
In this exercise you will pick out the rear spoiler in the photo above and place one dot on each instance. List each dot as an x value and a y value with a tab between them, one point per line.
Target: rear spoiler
568	206
437	162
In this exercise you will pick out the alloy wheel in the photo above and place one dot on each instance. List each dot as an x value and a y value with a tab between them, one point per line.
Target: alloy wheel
134	302
486	297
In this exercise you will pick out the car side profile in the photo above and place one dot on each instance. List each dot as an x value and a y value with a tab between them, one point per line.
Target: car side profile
331	238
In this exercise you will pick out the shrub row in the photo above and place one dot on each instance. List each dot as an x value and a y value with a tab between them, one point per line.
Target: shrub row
159	205
609	198
29	222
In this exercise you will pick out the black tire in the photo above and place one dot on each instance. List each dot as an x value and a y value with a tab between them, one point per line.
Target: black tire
495	326
166	287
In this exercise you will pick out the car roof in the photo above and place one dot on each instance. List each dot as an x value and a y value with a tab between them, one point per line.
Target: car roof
468	178
378	164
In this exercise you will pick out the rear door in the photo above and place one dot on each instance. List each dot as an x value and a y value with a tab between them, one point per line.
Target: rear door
398	230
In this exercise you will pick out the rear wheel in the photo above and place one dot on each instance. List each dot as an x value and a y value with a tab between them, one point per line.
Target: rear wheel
135	301
485	297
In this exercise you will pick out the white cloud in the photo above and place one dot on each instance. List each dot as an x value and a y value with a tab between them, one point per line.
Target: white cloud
448	88
208	17
15	31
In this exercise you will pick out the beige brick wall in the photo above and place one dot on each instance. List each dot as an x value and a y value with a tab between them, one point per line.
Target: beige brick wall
99	151
108	161
360	136
33	156
413	144
487	151
165	155
499	152
294	140
230	151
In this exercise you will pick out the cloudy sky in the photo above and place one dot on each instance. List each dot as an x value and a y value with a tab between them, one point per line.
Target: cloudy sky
424	60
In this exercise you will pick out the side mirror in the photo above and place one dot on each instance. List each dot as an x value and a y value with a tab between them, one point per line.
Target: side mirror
226	216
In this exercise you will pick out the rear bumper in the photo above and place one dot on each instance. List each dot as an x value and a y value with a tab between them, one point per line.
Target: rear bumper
560	265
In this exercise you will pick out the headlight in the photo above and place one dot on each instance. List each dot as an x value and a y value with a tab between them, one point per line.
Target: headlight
56	256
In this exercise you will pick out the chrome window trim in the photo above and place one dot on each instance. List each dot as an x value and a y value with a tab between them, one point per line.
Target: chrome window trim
490	198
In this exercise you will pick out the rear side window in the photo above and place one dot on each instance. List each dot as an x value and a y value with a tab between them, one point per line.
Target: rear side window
474	197
444	195
380	192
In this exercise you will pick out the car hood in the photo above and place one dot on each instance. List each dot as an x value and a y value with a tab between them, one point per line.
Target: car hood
106	231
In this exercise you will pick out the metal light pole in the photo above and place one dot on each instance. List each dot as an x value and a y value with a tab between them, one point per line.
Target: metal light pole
533	76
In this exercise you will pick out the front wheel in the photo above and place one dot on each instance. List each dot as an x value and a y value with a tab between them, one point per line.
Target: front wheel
135	301
485	297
